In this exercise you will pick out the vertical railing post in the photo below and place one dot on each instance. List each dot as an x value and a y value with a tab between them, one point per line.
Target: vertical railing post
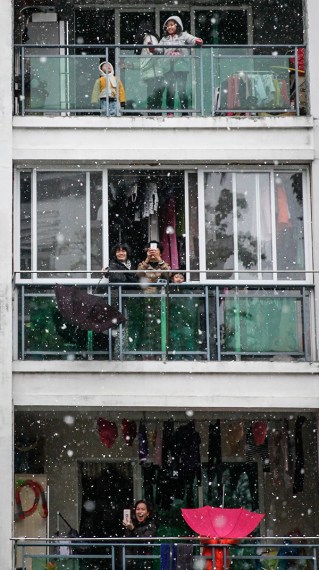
207	322
213	80
22	81
201	81
315	558
109	300
120	328
22	323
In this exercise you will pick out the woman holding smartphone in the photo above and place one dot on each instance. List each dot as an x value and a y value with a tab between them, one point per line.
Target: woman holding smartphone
153	270
140	526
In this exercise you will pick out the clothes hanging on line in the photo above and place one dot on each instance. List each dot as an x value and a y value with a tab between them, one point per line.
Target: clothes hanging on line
251	90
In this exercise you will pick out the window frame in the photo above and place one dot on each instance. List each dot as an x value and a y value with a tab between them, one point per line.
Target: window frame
308	263
201	171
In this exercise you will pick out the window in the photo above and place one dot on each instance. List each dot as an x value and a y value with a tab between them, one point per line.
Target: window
61	229
226	225
254	225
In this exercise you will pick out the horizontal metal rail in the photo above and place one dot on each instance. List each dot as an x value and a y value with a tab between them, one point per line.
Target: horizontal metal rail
254	552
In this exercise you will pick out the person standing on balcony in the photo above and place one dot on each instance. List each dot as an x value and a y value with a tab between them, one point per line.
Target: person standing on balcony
176	77
141	526
108	88
151	69
153	268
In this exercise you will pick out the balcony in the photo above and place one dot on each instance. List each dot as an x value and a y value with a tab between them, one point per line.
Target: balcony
165	553
190	321
247	80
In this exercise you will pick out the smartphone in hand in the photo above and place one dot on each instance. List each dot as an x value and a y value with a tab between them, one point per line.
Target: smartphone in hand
127	516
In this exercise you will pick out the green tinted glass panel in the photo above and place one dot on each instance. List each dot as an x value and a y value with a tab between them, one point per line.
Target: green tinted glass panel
263	324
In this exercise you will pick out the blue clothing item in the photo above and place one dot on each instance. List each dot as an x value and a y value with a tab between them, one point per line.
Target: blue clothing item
287	549
112	108
165	556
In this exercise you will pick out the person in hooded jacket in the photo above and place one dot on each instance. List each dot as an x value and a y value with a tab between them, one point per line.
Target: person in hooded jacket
108	88
175	79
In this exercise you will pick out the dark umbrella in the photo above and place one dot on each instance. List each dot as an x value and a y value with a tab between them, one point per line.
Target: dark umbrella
88	312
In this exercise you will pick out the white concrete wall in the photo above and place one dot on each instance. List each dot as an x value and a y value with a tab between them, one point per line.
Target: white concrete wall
6	468
156	385
194	140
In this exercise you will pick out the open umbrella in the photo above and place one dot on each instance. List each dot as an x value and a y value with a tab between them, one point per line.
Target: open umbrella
88	312
217	522
223	527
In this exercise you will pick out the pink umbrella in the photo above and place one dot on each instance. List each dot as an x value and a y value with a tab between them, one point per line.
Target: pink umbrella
217	522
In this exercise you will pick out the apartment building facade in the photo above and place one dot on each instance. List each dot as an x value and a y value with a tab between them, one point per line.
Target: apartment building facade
228	183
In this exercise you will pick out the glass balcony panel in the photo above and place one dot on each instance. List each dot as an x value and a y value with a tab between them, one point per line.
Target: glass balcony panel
245	82
184	323
186	326
263	324
158	83
47	334
207	81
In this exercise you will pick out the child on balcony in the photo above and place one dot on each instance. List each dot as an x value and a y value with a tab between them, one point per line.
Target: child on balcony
108	87
176	77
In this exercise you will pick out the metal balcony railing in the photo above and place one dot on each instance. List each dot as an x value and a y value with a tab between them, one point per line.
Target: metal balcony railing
200	322
166	553
210	80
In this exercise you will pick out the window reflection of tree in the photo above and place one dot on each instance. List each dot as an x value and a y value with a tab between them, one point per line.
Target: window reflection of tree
220	248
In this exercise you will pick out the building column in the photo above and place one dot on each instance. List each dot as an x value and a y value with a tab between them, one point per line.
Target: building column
6	412
312	43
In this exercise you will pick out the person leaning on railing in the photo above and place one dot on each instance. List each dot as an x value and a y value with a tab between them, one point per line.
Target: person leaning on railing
120	263
175	78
